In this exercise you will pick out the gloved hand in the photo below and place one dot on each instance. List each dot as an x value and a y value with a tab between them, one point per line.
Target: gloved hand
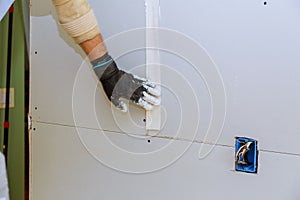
118	84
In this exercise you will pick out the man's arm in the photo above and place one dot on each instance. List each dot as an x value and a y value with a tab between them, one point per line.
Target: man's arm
77	18
94	48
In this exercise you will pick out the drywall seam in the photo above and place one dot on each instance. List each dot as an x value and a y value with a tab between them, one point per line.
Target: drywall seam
153	118
285	153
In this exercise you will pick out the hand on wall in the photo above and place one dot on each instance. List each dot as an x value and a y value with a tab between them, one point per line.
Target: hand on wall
77	18
118	84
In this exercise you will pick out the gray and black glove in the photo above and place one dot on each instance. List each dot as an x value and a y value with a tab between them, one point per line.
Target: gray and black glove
118	84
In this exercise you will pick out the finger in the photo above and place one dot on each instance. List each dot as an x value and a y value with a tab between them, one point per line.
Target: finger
153	90
120	105
144	104
145	81
139	78
151	99
150	84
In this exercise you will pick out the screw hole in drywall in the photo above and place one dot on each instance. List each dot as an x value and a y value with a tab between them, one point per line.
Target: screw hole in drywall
144	120
34	129
265	3
35	52
35	108
149	141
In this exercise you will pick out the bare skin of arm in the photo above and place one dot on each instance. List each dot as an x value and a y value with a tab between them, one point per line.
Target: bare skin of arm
94	48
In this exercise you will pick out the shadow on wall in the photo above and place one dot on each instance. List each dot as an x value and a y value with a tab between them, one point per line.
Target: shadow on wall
43	8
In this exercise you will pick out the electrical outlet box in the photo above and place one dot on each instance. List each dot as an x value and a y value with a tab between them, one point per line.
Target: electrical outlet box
246	155
3	97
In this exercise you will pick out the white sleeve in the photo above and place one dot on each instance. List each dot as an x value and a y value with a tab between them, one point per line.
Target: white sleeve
3	180
77	18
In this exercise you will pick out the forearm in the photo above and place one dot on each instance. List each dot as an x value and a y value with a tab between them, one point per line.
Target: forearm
94	48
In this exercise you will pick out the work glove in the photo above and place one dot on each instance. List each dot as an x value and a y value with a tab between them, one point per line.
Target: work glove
118	85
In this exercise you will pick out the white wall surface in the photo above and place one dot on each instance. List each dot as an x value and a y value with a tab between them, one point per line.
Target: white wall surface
84	149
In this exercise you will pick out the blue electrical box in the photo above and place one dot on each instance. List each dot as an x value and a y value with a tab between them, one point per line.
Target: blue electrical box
246	155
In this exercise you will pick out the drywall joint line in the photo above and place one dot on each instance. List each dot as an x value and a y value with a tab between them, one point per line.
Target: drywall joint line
165	137
153	118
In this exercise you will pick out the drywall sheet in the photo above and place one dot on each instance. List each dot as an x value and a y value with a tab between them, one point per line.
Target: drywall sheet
227	68
255	47
86	170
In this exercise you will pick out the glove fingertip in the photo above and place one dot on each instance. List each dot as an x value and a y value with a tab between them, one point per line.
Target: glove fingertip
155	91
151	99
123	107
120	105
147	106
